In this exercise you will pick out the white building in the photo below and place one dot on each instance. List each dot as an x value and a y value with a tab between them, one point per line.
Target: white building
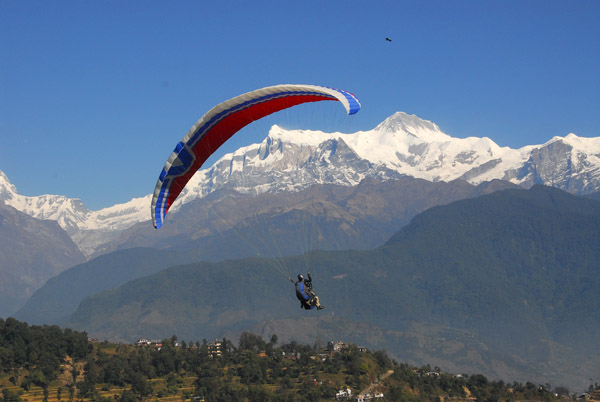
343	394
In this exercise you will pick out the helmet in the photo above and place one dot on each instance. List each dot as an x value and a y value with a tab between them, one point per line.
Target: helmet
300	277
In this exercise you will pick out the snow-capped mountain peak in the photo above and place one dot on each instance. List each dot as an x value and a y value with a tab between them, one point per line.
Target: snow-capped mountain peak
292	160
411	124
300	137
69	212
589	145
7	189
72	215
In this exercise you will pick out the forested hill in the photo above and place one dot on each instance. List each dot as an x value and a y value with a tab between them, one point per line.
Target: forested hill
504	284
39	351
538	209
528	261
60	296
253	370
324	217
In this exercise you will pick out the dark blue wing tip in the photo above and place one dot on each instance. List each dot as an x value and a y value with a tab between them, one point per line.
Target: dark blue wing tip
354	109
352	102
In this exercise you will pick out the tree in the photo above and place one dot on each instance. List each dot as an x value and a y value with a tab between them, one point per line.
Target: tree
383	359
46	393
250	341
71	392
114	371
127	396
140	386
9	396
74	374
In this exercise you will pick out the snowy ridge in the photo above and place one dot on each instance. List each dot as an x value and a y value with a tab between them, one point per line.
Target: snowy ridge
292	160
71	214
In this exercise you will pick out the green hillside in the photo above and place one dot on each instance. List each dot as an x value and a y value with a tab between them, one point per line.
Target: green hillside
47	364
221	226
505	284
60	296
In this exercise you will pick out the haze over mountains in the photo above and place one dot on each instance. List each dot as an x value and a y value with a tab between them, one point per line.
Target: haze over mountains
402	145
31	252
505	284
441	290
272	225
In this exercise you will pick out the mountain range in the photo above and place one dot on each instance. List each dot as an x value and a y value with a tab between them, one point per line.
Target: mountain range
271	225
294	160
301	174
504	284
481	276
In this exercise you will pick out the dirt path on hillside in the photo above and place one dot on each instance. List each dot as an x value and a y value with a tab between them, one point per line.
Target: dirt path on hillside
373	384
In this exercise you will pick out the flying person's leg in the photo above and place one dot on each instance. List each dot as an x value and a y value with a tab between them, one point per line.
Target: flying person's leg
316	303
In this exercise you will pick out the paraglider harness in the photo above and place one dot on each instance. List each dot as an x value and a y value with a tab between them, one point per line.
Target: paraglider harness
304	292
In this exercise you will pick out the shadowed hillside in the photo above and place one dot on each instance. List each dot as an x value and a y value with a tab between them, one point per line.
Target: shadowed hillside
506	283
31	251
222	226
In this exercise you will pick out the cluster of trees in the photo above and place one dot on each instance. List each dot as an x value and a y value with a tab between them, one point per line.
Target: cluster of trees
255	370
39	350
411	385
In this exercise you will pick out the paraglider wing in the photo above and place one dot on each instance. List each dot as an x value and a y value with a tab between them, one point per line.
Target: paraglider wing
223	121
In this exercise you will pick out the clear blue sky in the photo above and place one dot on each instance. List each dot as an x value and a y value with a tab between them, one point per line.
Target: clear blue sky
94	95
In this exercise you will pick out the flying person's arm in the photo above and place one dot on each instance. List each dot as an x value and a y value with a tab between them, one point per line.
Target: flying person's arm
308	281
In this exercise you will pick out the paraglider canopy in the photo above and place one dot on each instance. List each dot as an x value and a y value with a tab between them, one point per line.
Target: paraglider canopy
223	121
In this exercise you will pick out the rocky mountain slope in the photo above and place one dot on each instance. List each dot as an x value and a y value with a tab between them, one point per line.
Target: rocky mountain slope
31	252
402	145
